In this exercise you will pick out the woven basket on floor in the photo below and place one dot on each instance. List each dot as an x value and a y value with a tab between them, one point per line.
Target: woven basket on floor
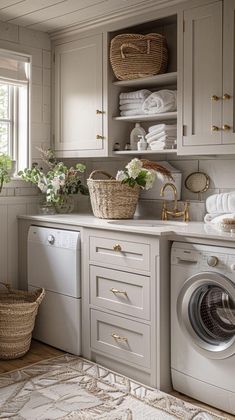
110	199
18	310
133	56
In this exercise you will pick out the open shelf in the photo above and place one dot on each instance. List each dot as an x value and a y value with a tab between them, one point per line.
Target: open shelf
145	152
165	79
149	117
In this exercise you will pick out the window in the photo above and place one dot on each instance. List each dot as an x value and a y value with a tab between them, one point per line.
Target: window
14	94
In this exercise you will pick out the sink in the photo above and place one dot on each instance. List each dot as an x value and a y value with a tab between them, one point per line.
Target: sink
147	223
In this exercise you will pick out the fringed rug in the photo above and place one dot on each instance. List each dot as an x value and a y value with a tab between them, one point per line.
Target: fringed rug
72	388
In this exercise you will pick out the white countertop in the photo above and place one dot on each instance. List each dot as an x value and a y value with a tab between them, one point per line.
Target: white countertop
186	230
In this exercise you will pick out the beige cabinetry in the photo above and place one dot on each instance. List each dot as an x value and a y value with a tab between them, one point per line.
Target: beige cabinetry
126	304
207	80
79	113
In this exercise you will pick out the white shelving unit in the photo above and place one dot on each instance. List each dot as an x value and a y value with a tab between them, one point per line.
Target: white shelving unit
166	116
166	79
145	152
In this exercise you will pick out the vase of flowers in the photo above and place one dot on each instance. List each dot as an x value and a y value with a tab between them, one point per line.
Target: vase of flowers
116	198
58	183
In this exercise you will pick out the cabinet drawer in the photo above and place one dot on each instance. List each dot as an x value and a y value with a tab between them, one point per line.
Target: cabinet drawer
120	291
120	253
120	338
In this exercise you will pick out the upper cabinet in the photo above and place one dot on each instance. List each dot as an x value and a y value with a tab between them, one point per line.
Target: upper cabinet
207	80
79	113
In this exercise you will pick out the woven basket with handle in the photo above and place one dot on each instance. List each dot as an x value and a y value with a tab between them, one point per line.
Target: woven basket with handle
110	199
18	310
133	56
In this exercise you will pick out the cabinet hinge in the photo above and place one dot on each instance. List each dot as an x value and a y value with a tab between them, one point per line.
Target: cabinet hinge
184	130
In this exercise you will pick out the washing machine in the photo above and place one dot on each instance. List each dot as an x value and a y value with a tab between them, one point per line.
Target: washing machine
203	323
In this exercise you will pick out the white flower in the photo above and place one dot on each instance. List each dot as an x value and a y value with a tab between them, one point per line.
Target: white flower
42	187
134	167
121	176
149	178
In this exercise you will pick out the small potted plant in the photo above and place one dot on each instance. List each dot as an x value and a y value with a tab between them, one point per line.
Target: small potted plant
58	183
5	169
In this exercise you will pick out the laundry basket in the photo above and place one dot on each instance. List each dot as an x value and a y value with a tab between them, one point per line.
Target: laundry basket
133	56
18	310
110	199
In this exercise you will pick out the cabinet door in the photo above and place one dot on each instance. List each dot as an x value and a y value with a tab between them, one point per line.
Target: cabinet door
229	73
202	78
78	94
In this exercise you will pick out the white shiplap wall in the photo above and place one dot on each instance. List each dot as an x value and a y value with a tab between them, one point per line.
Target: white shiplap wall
19	197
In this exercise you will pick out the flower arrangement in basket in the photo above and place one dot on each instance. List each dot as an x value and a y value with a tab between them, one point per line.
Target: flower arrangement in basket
117	198
58	181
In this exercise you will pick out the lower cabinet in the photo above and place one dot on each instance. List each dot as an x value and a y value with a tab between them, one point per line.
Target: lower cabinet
126	305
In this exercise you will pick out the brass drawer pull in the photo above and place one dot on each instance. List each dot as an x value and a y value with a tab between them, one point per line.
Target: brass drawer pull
118	292
214	128
226	127
215	98
99	112
119	337
226	96
117	247
98	137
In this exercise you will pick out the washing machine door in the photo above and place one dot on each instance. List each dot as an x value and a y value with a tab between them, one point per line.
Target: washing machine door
206	313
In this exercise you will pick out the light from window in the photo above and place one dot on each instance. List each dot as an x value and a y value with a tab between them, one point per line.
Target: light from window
5	119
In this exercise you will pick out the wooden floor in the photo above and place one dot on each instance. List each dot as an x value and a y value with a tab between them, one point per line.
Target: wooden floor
40	351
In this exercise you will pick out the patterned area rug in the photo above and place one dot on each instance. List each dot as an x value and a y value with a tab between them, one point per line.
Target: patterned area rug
71	388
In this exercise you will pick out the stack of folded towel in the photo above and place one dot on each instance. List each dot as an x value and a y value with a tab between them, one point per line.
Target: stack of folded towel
130	103
219	207
161	136
162	101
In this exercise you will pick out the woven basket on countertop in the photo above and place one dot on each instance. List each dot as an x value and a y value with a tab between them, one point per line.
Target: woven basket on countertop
18	310
133	56
110	199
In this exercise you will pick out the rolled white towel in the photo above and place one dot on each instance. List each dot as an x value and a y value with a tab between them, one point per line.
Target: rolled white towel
214	219
221	203
159	144
139	94
154	136
128	107
162	101
131	101
131	112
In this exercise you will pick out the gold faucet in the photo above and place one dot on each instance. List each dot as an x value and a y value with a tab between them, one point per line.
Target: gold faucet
175	212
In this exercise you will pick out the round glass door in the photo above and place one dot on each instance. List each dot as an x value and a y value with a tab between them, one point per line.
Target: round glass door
206	311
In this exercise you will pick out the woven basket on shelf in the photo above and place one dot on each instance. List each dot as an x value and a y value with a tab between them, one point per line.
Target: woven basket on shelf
133	56
110	199
18	310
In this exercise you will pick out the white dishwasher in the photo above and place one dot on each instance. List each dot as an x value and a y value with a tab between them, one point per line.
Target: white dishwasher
54	263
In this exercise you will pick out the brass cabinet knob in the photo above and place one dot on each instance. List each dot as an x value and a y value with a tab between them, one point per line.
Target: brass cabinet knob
215	98
98	112
117	247
226	96
214	128
98	137
226	127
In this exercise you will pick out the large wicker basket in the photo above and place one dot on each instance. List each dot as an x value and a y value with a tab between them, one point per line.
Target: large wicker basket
133	56
110	199
18	310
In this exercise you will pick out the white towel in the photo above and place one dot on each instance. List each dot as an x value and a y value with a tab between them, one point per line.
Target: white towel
169	139
131	101
139	94
161	101
162	144
161	127
154	136
131	112
127	107
216	218
221	203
